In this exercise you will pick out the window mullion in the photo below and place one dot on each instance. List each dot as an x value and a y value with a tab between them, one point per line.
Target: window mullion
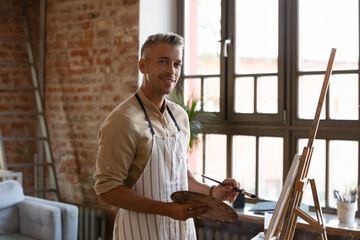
327	174
255	94
257	179
202	94
229	165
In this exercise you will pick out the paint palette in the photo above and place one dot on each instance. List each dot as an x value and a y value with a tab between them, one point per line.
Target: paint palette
220	211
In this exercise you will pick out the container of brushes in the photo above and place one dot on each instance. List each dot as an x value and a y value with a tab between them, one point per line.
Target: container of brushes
346	212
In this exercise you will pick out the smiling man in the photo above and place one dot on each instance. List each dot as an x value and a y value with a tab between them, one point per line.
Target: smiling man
142	156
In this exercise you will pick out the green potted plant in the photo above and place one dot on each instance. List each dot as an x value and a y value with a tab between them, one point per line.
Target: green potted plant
196	126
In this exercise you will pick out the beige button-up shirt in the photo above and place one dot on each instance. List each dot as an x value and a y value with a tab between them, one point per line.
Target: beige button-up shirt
125	140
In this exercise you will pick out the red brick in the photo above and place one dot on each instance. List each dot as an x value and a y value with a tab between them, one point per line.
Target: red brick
82	90
79	53
89	33
105	25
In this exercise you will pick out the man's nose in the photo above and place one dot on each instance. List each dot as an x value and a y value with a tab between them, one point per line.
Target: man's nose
171	69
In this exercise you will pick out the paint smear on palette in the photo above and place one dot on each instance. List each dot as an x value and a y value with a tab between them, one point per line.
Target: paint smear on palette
220	211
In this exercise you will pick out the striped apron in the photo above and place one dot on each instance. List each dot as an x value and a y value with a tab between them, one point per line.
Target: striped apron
165	173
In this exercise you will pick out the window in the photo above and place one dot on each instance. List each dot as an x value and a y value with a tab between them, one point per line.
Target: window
258	66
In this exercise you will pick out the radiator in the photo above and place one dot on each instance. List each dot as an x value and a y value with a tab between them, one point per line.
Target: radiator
92	223
209	234
224	233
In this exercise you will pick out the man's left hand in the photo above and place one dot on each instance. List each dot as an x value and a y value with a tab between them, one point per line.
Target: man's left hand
224	193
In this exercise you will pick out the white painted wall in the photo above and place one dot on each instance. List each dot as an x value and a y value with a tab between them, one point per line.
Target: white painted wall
156	16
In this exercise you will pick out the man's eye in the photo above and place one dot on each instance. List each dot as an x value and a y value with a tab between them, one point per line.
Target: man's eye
162	61
177	65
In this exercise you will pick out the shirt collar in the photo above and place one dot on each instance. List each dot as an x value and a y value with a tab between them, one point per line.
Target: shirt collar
149	104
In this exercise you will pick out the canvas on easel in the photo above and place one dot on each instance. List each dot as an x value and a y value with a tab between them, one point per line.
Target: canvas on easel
287	210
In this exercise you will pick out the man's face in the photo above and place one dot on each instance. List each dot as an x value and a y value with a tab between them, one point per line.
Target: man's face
161	68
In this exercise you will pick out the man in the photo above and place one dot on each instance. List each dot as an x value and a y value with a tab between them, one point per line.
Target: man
142	153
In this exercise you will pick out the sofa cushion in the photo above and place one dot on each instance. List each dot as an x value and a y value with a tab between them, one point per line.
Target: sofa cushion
11	193
69	216
9	220
41	221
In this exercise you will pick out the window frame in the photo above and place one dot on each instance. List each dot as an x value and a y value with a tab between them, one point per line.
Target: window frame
286	123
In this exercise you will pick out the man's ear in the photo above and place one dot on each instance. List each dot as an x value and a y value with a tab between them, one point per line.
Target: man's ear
142	66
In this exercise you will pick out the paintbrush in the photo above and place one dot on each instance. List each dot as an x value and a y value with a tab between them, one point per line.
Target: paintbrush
242	191
348	196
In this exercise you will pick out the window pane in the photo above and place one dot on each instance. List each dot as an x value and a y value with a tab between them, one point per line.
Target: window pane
270	167
192	89
309	92
344	95
317	170
244	161
267	89
244	95
212	94
343	166
202	33
215	158
336	27
256	36
196	158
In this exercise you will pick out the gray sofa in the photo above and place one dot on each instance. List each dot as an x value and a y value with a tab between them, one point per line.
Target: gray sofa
24	217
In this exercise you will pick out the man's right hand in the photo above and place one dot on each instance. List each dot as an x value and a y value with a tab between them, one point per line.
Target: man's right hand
183	211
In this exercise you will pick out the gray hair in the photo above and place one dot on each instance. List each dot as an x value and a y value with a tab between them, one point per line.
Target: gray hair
170	38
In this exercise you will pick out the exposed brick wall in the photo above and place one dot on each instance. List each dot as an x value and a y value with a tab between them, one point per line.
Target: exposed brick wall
91	66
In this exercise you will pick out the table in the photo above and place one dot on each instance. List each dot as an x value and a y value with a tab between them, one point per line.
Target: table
250	224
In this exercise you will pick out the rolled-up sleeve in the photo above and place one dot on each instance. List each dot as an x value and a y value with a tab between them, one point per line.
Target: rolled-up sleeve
117	146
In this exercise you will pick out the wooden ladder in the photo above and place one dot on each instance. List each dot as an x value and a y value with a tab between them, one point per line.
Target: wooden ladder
42	163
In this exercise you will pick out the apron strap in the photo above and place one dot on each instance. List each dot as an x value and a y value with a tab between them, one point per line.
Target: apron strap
173	118
146	116
148	119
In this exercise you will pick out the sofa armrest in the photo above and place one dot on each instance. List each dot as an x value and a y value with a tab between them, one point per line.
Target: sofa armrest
69	217
39	220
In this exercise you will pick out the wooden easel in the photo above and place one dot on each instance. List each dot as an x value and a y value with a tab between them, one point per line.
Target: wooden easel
287	209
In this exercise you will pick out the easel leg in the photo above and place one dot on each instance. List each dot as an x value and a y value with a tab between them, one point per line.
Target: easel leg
290	225
318	210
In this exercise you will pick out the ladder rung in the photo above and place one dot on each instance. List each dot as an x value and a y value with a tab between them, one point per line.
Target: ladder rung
18	88
18	165
11	16
8	139
15	64
40	190
2	39
19	113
